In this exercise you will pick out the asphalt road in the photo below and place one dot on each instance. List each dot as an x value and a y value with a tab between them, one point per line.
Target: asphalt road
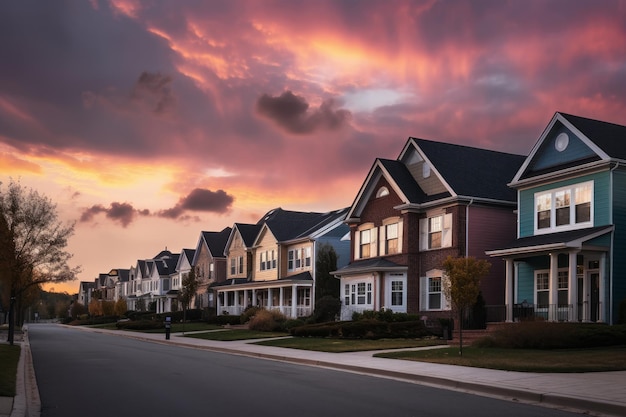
92	374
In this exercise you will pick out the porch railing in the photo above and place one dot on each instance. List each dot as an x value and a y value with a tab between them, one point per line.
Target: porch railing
301	311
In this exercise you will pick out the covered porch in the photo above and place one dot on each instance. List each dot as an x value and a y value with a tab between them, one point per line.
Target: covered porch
292	296
558	277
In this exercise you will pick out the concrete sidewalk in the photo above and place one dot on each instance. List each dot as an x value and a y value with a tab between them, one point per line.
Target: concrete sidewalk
598	393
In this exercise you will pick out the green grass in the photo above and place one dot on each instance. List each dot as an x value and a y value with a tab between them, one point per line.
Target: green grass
236	334
523	360
9	356
348	345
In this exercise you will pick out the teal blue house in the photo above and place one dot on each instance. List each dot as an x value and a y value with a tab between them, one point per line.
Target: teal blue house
568	262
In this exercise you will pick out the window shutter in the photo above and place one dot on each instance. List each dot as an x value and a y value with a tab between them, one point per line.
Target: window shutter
400	225
374	242
383	240
446	238
357	244
424	234
423	294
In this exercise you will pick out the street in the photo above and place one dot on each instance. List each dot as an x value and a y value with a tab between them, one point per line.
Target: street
92	374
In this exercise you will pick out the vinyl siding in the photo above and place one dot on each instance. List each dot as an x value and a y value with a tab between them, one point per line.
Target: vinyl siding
490	228
526	278
601	201
619	243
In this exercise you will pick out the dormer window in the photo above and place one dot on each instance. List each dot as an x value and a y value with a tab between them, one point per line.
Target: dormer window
382	191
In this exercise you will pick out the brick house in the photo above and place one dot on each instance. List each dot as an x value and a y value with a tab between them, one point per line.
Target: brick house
436	199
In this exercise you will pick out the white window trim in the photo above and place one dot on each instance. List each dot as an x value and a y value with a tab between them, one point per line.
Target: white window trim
572	225
373	241
390	279
446	232
424	293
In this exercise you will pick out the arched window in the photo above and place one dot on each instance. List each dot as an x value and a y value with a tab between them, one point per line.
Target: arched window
382	191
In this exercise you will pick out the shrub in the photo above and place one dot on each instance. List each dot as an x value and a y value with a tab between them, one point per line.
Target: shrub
248	313
327	308
140	325
386	315
363	329
551	335
224	320
267	321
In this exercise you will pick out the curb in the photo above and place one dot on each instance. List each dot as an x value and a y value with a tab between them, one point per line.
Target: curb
26	402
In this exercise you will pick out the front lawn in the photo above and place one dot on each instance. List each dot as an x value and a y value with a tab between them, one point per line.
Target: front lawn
9	357
523	360
348	345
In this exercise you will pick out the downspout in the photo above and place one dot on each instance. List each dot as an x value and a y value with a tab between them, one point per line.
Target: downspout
467	227
612	243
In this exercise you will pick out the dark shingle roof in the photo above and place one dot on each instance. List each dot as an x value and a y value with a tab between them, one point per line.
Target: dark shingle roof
555	238
248	232
375	264
287	225
610	137
189	254
403	178
474	172
216	241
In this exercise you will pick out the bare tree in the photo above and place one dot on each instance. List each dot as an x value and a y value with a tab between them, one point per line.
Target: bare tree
32	246
463	285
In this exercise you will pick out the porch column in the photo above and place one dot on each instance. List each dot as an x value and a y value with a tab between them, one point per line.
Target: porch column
280	300
508	290
269	299
294	301
236	300
245	299
601	288
572	291
553	297
254	302
586	297
218	304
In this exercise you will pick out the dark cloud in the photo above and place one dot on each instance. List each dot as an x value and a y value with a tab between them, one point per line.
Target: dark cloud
292	113
154	90
200	200
123	213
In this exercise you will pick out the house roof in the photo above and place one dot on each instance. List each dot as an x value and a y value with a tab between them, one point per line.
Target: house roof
248	232
571	144
288	225
404	180
551	241
610	137
216	241
167	266
369	265
473	172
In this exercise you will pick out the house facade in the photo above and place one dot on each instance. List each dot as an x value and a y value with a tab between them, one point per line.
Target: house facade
567	262
272	263
435	200
209	262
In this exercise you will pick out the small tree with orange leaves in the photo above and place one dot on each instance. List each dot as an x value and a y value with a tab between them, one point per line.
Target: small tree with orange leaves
463	285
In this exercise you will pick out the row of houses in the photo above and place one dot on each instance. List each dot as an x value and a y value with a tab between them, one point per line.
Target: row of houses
552	224
269	264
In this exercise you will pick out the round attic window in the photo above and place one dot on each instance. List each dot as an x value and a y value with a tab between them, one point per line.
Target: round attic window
561	142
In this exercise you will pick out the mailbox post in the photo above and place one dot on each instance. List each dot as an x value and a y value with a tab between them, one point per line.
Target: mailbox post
168	327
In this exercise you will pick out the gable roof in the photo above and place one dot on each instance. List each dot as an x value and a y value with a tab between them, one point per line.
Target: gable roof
461	172
588	143
473	172
609	137
216	241
287	224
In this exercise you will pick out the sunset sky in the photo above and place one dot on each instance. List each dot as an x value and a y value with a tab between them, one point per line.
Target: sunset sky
148	122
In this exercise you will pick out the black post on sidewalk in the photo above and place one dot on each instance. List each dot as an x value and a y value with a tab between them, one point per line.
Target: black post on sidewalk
168	327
